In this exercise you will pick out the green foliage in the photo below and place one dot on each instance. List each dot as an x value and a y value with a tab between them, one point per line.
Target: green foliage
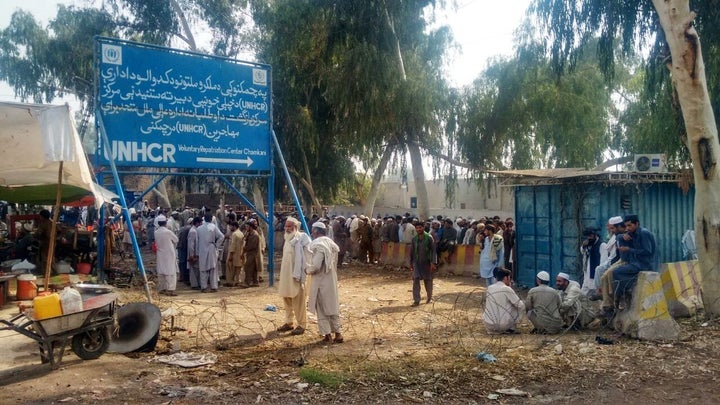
41	64
518	114
339	90
325	378
651	121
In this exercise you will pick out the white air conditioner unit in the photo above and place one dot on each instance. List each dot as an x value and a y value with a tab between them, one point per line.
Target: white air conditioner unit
650	163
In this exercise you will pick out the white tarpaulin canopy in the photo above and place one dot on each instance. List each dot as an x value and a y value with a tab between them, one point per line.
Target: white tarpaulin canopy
34	138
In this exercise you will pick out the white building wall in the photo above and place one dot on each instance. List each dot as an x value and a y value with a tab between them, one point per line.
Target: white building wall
488	198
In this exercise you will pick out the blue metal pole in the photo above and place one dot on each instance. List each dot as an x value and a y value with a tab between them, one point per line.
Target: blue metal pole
123	204
135	201
271	229
245	200
101	243
290	184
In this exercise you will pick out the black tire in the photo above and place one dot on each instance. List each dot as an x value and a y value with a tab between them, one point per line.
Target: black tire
91	344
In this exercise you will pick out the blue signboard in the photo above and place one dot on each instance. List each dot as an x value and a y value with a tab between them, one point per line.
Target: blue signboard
164	107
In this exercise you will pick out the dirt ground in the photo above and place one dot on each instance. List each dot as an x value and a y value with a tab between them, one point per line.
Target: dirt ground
392	353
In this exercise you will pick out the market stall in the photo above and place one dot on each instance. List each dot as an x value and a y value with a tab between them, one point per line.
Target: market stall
42	162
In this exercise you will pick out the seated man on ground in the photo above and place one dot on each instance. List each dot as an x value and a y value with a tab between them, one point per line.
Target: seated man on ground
503	308
575	308
543	306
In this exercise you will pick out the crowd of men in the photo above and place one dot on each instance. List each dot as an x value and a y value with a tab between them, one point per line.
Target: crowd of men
360	237
206	248
610	270
201	246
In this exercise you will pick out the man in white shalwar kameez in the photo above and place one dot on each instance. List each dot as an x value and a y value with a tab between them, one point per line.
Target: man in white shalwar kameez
292	277
167	266
323	289
209	238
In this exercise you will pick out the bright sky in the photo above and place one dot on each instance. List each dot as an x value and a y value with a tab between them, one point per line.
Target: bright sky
483	28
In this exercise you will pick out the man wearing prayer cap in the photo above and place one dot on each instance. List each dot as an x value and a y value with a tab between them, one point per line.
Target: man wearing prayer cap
209	237
166	251
292	277
608	253
323	289
575	309
543	306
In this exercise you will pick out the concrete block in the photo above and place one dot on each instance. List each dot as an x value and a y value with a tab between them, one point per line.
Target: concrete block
681	284
395	254
648	317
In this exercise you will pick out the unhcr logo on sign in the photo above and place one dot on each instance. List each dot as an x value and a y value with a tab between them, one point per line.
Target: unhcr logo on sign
112	54
128	151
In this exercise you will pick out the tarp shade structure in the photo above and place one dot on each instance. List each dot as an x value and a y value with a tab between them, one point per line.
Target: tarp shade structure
34	139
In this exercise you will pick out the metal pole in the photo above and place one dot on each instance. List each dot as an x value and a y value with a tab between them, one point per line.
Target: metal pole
290	184
242	197
271	229
123	204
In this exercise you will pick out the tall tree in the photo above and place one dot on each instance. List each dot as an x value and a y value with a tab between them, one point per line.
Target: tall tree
518	114
372	68
569	22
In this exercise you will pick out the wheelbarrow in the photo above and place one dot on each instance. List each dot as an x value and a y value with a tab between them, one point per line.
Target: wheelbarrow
88	330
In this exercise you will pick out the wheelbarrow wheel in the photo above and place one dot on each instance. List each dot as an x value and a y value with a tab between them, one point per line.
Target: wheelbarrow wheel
91	344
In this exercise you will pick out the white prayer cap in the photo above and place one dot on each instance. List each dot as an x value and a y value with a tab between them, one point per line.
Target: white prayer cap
615	220
161	218
293	220
543	276
564	275
319	225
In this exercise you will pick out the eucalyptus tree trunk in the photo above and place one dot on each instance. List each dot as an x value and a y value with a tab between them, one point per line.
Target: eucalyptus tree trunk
161	190
307	183
187	37
423	205
162	194
377	176
688	77
260	204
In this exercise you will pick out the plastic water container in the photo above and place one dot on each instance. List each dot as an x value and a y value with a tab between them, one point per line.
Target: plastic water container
70	301
26	287
47	306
